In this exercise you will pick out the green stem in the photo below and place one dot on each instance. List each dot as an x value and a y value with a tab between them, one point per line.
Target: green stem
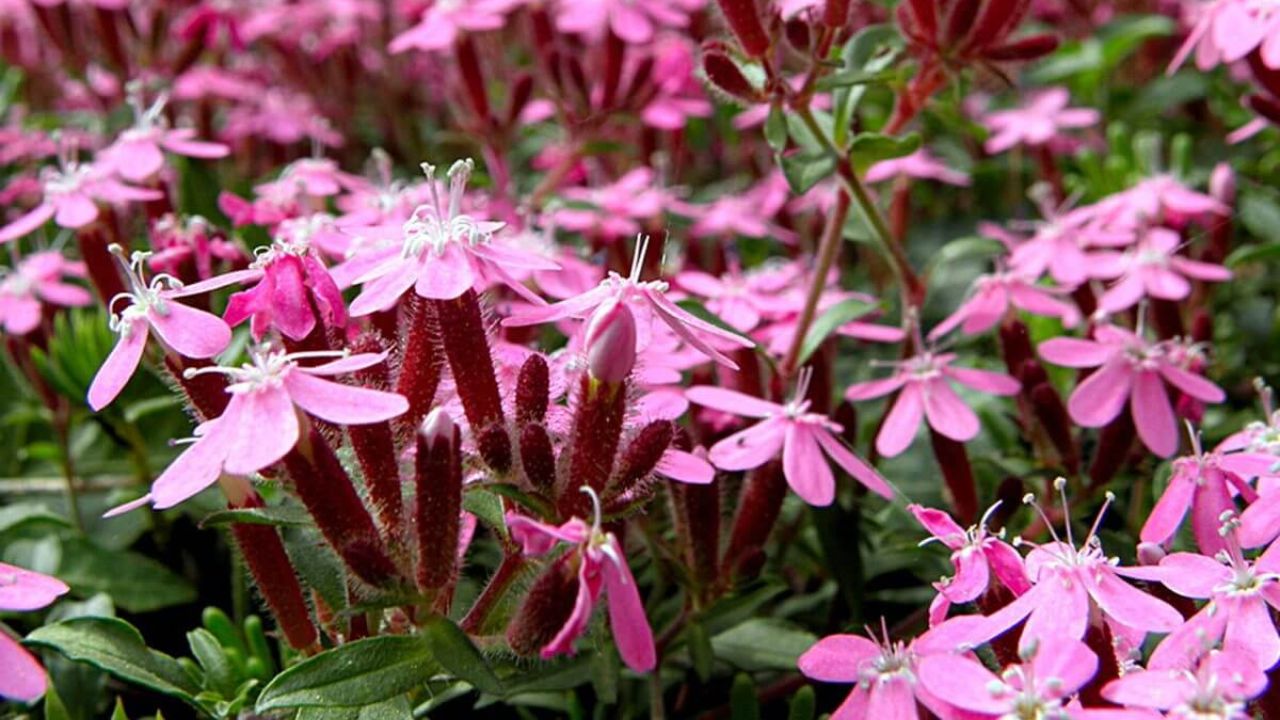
828	249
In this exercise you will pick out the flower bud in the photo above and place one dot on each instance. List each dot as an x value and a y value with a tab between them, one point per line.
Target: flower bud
438	484
1150	553
724	75
1222	184
545	609
264	554
611	343
744	19
537	457
643	454
533	390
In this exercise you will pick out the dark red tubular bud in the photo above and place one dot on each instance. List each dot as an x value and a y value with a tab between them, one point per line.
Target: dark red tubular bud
1052	415
521	93
724	75
577	78
597	428
1267	77
744	20
1167	318
375	450
466	345
991	19
639	83
959	23
615	53
1202	326
206	393
758	507
919	19
329	496
836	14
104	272
420	360
438	483
796	31
109	34
642	455
1266	106
472	75
1015	345
546	607
698	518
1028	48
537	457
953	460
1114	443
533	391
264	554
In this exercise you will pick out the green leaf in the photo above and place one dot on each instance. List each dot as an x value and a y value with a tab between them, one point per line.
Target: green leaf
804	171
114	646
220	675
278	515
1252	254
509	491
763	644
743	704
456	653
775	128
54	709
394	709
552	677
700	650
849	78
803	704
118	713
828	322
1260	215
14	518
486	506
364	672
135	582
868	149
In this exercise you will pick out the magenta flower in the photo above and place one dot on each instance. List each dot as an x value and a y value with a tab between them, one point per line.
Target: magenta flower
749	213
1219	688
152	306
314	177
738	298
602	567
926	394
805	439
1131	370
1228	30
1040	121
1158	199
976	555
1060	246
1039	687
445	20
190	245
441	252
1153	268
269	391
679	94
635	21
647	300
920	165
616	209
994	295
138	153
21	590
71	197
38	279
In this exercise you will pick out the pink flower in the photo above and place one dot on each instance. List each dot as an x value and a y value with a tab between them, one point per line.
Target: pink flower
1129	370
616	208
441	252
749	213
976	555
21	590
1158	199
994	295
1059	246
314	178
189	332
1228	30
1040	121
632	20
926	394
805	439
190	245
648	300
71	197
1152	268
444	20
1222	685
269	391
1037	688
921	164
38	278
602	567
679	95
738	298
138	153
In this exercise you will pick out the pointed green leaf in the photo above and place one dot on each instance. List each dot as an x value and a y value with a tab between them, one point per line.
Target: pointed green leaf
364	672
456	653
830	321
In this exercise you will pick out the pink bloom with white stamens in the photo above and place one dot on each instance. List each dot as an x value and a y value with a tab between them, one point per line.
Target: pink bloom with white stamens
71	197
21	590
1218	689
1226	31
976	554
994	295
805	439
1153	268
616	209
926	393
138	153
648	300
445	20
1039	687
602	568
152	306
920	165
1130	370
1040	121
269	391
634	21
38	279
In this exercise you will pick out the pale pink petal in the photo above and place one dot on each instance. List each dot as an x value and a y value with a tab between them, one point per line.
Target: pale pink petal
23	678
837	658
1076	353
1157	689
940	525
631	631
1101	396
343	404
685	467
749	448
874	388
1152	414
902	422
1061	611
217	282
575	307
191	332
1251	630
947	413
22	590
74	211
1170	509
1184	646
195	148
857	468
445	277
583	605
119	366
198	467
962	682
984	380
1260	522
384	291
892	700
1007	565
27	223
971	578
805	466
345	365
732	401
1194	385
537	538
1129	605
250	449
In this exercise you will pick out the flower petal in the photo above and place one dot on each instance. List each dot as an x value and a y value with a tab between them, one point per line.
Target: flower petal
119	366
343	404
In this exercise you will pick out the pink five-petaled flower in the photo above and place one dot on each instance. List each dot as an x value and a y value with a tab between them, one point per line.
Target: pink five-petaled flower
976	555
632	20
261	423
1239	592
926	394
992	297
1072	586
138	153
152	306
601	567
1040	121
616	209
21	590
1229	30
446	19
1219	689
1205	483
441	252
37	279
921	165
647	300
1132	370
1039	687
71	198
805	438
293	286
1152	268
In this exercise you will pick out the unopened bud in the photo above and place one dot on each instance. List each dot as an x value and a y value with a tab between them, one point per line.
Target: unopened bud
545	609
1222	184
723	74
744	20
611	343
533	390
438	485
